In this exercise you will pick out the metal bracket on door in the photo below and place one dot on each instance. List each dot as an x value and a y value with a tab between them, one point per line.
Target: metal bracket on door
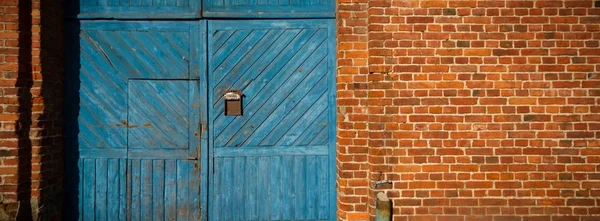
199	143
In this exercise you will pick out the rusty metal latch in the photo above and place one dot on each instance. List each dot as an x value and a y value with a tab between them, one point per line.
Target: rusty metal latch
195	157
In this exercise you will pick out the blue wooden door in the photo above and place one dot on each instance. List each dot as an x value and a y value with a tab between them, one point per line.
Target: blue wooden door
138	95
275	162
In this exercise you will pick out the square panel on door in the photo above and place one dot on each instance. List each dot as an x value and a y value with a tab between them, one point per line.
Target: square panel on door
161	118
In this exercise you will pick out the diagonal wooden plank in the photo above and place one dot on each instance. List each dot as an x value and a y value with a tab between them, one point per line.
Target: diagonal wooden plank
299	56
243	65
302	137
255	79
263	78
307	110
232	43
262	61
295	104
236	56
220	37
278	97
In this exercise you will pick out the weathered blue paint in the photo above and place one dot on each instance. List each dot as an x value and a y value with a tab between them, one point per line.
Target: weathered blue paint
138	9
275	161
140	109
268	8
142	93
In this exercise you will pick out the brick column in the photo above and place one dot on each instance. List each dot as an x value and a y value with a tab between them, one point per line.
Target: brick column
31	149
352	132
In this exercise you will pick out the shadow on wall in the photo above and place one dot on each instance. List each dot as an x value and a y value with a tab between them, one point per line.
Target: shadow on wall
72	84
39	127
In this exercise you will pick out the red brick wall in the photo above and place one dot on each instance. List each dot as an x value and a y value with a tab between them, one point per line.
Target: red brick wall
31	76
475	110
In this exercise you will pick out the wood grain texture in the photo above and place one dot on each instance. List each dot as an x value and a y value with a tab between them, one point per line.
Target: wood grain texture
268	8
272	163
139	9
139	120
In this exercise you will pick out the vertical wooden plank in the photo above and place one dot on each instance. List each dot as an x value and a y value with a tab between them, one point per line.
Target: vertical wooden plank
81	196
286	188
102	2
299	187
113	189
146	190
311	187
170	3
238	188
323	187
113	2
263	188
136	184
170	189
158	189
182	190
227	188
274	187
89	192
251	177
216	189
194	192
157	3
123	180
182	2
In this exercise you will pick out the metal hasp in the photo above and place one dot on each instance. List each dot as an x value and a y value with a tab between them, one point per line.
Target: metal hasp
233	103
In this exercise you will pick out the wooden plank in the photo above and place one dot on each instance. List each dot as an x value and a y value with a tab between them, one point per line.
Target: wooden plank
251	188
194	190
216	187
82	172
170	188
322	187
136	190
272	151
146	190
123	180
263	188
274	187
89	192
238	188
182	190
286	187
158	190
311	188
227	189
269	9
300	187
114	187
